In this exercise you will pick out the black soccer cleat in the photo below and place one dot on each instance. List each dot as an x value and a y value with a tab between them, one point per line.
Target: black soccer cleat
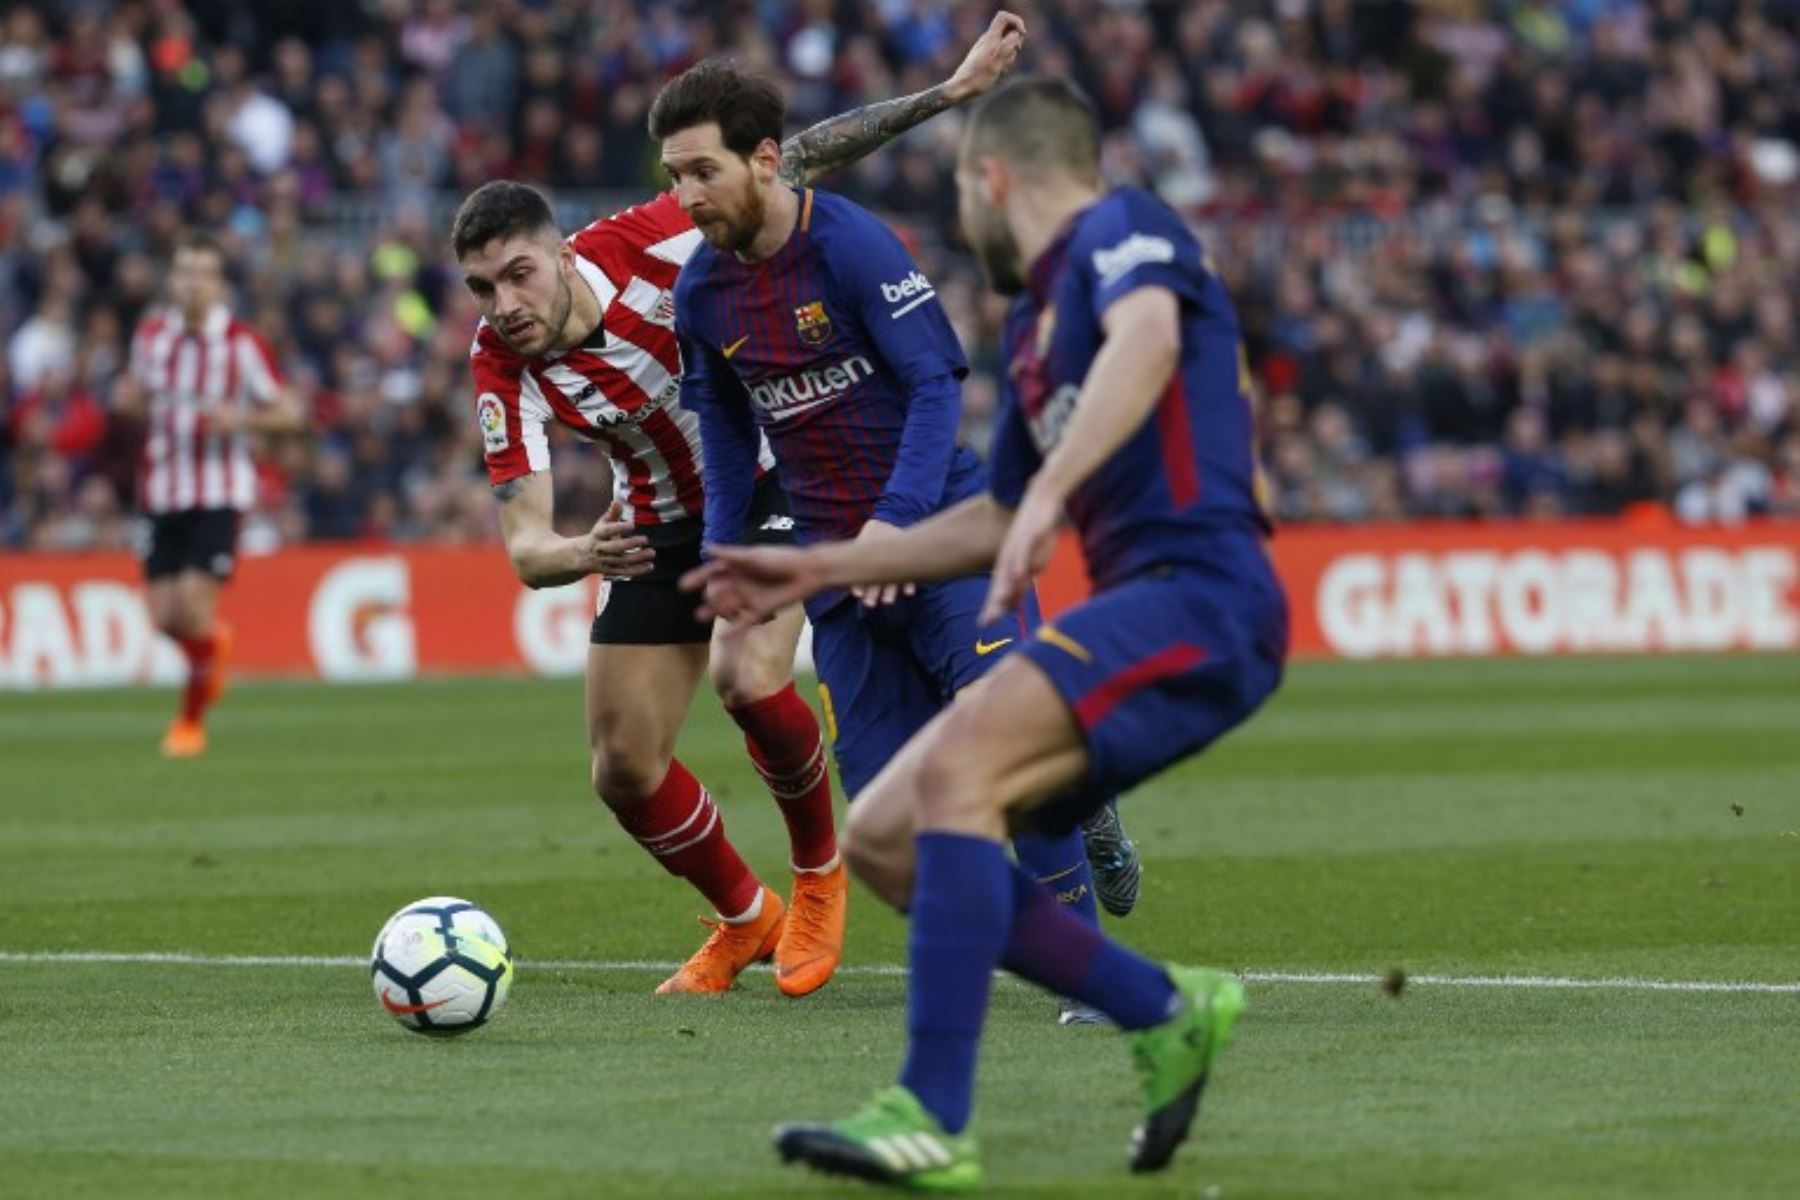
1118	871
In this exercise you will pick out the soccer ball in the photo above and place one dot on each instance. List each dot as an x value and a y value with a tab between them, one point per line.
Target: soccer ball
441	966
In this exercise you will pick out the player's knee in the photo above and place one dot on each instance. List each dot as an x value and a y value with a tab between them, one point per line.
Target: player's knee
882	867
623	777
743	679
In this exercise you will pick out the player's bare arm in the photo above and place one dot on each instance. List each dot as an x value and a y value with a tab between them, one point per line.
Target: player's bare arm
1141	352
543	558
284	414
836	142
745	584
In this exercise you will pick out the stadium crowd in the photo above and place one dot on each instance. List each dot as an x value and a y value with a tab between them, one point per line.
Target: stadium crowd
1516	257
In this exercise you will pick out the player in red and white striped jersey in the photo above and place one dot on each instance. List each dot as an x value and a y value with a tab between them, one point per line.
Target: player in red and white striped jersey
581	332
208	382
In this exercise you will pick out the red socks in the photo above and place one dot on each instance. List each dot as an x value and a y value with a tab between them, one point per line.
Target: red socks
783	738
680	826
198	694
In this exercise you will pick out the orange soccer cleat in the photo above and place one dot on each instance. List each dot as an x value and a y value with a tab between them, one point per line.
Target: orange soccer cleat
185	739
731	948
224	641
813	943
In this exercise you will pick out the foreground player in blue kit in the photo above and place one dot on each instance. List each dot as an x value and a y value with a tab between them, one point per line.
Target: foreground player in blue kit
805	316
1124	410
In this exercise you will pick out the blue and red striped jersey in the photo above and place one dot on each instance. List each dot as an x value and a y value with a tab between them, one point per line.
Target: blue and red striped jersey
1188	471
836	347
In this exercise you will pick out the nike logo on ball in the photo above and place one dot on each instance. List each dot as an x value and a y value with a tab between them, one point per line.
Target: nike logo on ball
387	1002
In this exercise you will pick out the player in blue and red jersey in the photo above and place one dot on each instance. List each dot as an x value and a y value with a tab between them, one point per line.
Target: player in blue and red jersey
1125	411
805	317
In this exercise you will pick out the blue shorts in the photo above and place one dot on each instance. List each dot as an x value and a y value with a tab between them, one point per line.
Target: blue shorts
1158	668
884	673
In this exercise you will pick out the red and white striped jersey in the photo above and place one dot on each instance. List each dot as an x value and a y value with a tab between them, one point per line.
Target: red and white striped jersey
624	391
226	365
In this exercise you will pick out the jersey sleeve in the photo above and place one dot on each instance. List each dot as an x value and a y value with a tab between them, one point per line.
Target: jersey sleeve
902	318
512	414
730	443
256	367
1133	241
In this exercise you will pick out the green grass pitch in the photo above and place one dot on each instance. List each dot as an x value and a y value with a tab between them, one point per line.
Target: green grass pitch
1600	819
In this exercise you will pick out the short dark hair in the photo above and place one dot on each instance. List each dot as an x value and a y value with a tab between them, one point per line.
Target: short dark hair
501	209
1037	121
202	243
746	107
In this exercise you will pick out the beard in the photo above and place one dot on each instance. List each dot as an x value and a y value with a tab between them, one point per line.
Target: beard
553	324
997	252
736	231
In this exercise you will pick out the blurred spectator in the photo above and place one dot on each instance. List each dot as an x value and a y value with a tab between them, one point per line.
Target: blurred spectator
1492	258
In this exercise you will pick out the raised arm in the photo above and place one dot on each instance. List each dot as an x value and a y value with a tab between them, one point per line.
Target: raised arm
836	142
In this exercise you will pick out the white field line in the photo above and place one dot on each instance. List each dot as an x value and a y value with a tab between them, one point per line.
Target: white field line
1519	982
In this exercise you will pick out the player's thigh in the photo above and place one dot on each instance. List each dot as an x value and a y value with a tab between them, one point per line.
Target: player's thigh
758	664
197	599
874	696
984	764
637	698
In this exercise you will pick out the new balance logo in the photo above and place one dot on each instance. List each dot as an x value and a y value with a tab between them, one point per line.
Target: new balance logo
783	398
1112	263
778	524
915	289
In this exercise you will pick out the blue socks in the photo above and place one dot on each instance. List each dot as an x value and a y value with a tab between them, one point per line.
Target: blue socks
1061	865
962	909
973	910
1055	949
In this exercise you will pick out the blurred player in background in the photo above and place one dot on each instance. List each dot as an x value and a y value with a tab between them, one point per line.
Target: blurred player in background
580	331
207	384
1126	412
803	317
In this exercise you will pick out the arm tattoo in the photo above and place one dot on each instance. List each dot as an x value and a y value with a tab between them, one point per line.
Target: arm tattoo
507	492
836	142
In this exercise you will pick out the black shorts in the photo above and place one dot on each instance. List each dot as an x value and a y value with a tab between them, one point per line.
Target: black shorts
193	539
652	610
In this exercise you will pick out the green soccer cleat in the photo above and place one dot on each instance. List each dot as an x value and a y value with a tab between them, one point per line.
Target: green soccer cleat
893	1141
1174	1059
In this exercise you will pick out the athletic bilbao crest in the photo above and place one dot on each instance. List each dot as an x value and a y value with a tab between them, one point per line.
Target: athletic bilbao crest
811	323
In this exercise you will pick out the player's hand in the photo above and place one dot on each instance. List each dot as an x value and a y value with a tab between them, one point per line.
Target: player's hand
217	418
747	585
1026	551
992	57
615	549
877	595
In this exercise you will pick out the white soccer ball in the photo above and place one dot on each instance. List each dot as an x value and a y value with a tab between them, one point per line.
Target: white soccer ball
441	966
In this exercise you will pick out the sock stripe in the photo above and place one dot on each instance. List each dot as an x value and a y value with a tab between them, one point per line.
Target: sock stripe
664	844
796	783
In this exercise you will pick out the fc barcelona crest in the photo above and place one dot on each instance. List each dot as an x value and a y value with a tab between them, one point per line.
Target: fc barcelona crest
811	323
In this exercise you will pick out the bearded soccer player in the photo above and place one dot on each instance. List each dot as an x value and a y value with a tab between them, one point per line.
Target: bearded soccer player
804	319
208	384
580	331
1126	412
